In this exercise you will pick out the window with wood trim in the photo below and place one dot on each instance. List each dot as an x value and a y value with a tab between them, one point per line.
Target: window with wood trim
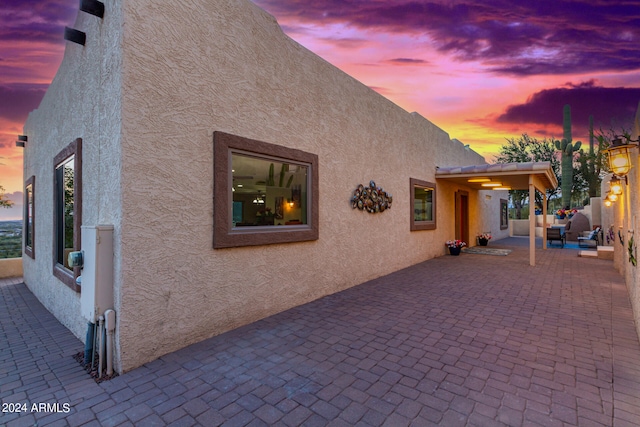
423	205
29	217
504	214
67	216
263	193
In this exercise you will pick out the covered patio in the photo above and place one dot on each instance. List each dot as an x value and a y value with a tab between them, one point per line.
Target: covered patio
529	176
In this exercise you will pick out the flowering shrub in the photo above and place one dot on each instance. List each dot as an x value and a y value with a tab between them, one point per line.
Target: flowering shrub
455	243
485	236
569	212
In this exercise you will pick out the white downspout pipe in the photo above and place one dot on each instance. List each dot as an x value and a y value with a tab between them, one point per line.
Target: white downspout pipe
110	325
101	348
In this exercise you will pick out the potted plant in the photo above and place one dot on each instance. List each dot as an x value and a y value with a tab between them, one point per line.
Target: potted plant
265	216
538	209
561	213
483	238
455	246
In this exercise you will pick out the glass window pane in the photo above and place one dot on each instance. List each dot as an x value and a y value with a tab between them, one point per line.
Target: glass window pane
65	221
268	192
423	204
29	217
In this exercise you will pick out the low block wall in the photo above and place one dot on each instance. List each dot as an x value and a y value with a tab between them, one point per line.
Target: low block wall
520	227
10	267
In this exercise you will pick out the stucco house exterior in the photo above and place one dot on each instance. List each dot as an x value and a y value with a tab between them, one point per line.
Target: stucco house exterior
621	220
227	158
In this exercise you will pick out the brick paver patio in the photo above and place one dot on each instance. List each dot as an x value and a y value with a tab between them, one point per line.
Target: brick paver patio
473	340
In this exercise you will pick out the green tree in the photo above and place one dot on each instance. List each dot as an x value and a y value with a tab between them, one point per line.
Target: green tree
529	149
4	202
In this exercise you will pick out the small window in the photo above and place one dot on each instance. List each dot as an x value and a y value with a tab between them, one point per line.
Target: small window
29	217
423	204
264	193
504	214
68	211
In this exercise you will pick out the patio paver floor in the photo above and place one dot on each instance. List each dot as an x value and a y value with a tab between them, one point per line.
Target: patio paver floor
471	340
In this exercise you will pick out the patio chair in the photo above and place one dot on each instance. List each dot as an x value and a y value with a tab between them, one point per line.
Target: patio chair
554	234
589	239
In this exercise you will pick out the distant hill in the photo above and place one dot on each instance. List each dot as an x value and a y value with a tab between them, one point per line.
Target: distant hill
10	239
15	212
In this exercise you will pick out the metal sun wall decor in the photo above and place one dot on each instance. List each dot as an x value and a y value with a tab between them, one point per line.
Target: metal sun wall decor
371	199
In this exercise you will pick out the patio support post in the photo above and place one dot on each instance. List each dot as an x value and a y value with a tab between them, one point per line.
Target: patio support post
544	220
532	223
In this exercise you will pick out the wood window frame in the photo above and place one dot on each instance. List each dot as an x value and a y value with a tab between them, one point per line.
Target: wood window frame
30	229
504	214
422	225
73	149
224	235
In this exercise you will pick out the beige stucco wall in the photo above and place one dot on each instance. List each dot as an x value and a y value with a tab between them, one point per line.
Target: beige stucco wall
191	69
83	101
10	267
626	220
146	93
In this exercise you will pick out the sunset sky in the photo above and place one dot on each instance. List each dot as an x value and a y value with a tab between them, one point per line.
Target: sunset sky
482	70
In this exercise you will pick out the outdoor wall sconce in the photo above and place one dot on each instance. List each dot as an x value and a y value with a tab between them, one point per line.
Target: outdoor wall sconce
615	185
92	7
619	157
610	198
290	203
22	139
75	36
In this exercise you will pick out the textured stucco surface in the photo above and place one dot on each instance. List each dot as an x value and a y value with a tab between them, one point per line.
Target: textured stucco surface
626	221
83	101
172	74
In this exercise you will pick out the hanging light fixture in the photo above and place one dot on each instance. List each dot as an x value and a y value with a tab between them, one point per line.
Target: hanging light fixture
619	157
259	200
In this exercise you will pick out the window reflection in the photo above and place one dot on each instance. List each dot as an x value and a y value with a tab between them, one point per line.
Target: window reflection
65	176
268	192
29	217
422	204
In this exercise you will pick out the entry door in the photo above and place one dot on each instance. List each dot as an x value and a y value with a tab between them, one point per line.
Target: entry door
462	216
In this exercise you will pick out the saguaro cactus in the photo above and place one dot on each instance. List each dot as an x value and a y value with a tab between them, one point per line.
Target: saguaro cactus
567	148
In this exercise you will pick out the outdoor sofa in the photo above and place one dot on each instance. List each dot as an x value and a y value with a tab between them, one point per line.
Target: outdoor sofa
589	239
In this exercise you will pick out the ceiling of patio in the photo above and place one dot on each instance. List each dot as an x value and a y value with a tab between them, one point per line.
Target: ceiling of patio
512	175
